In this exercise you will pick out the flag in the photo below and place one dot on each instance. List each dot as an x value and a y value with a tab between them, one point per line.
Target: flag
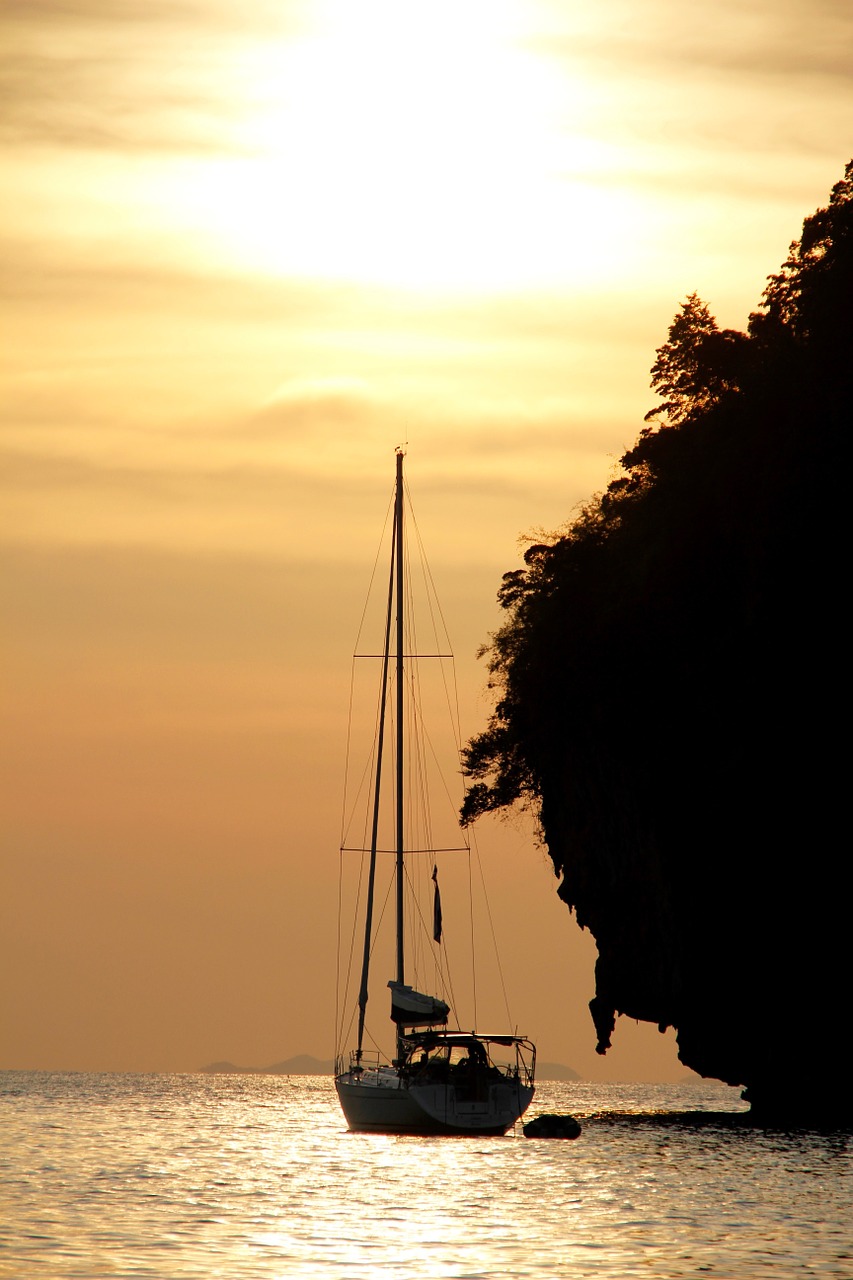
436	907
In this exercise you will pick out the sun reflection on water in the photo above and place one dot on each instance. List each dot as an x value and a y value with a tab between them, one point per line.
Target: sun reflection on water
253	1176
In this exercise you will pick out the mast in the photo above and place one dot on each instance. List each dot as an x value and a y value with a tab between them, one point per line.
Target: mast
374	833
398	539
395	589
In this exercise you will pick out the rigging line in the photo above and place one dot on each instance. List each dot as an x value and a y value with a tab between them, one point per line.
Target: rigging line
491	925
360	882
347	751
427	738
417	773
365	606
418	813
347	812
452	700
345	824
355	917
419	734
382	536
434	606
347	1032
435	948
367	771
471	924
353	932
426	746
351	950
445	968
419	809
419	817
456	715
363	993
344	804
382	911
407	656
376	932
371	761
428	752
375	1043
427	848
335	1040
373	943
431	597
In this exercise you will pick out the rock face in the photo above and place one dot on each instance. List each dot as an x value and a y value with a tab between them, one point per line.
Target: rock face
740	950
669	703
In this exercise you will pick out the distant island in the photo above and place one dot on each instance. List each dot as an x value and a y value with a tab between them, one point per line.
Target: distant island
555	1071
304	1065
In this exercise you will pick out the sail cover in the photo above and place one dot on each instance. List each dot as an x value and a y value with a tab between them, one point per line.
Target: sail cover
412	1008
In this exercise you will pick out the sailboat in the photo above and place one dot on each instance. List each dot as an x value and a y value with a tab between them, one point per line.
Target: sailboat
440	1080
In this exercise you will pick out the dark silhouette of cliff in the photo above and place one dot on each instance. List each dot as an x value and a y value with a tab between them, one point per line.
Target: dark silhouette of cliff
670	689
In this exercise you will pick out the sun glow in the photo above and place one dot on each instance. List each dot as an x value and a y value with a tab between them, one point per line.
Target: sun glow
423	146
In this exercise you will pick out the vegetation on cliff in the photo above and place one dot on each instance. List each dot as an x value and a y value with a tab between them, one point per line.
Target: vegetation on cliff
668	681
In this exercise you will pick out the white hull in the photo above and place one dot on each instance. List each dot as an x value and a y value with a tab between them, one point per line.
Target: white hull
381	1101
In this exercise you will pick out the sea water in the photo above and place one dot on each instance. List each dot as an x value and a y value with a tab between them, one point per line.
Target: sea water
199	1177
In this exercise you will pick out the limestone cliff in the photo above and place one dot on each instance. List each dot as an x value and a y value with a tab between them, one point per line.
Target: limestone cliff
669	685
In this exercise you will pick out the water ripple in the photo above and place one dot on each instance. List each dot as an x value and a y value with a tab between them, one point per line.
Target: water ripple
256	1178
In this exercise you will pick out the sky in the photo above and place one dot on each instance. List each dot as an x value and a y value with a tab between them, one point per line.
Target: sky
249	249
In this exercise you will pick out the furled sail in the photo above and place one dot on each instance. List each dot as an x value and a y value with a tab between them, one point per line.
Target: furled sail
412	1008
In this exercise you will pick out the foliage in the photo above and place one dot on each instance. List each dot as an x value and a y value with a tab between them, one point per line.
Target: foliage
597	605
697	365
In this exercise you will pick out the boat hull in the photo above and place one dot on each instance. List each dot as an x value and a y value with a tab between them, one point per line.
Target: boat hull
383	1102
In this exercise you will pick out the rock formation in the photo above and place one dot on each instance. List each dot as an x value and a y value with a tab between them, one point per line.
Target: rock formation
669	687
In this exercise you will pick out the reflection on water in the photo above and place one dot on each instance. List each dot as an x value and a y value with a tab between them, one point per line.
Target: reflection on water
255	1177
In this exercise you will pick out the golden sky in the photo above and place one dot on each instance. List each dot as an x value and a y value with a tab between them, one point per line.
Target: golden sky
249	248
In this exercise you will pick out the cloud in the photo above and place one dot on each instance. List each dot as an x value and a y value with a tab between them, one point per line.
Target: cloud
763	37
119	75
105	98
56	12
44	275
341	405
678	92
299	475
88	105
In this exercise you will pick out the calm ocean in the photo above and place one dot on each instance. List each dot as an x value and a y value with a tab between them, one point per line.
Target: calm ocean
194	1177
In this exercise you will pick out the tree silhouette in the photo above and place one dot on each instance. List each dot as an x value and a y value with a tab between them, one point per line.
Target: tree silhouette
697	365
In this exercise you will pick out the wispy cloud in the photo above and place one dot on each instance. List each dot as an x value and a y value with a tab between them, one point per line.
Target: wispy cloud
645	37
116	75
727	94
102	90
